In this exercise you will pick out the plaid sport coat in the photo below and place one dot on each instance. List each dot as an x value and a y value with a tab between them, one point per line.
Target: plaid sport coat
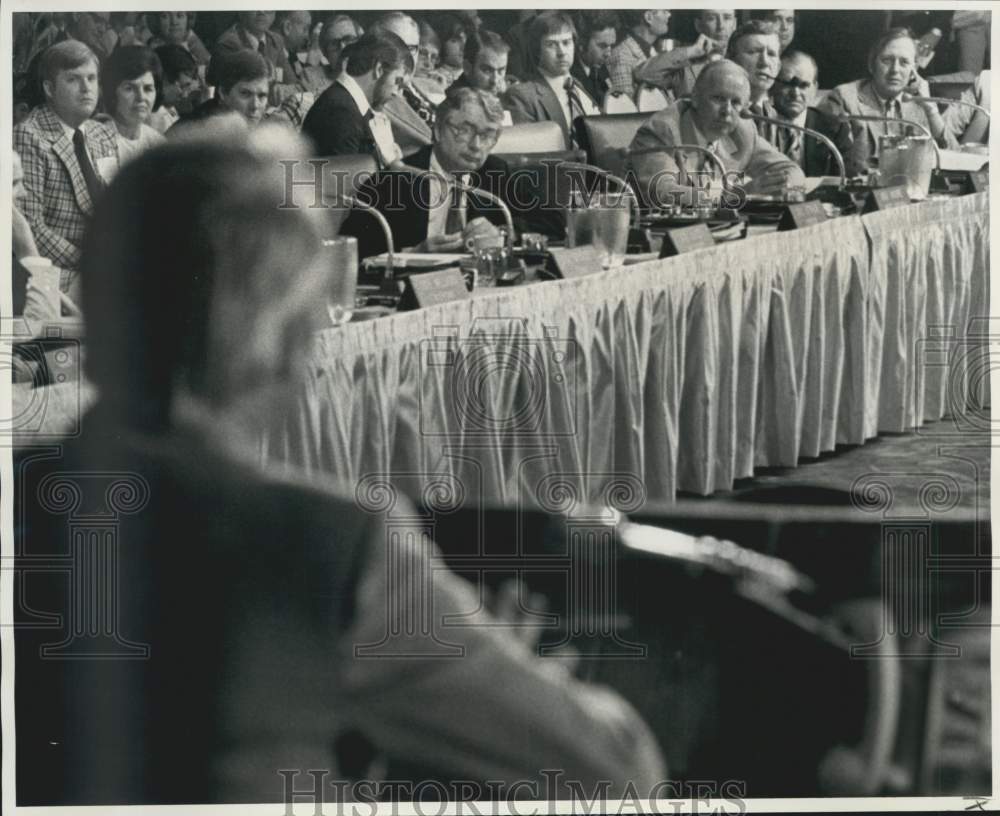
57	203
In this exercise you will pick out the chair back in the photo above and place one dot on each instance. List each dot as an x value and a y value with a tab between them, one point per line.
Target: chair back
650	100
606	138
618	102
531	137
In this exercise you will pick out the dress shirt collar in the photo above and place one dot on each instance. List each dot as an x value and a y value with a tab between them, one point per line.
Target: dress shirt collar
434	166
252	39
69	131
558	85
352	87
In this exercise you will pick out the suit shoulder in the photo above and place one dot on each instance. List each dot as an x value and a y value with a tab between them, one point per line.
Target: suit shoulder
229	40
664	126
523	91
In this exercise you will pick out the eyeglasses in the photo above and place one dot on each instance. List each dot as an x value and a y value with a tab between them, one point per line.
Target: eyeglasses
465	132
342	42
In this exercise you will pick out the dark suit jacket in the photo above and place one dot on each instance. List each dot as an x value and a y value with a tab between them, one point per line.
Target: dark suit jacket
336	126
534	101
596	85
401	198
815	159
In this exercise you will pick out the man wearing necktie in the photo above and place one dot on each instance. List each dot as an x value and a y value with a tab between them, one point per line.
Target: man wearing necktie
792	96
427	202
894	91
755	47
711	119
67	156
551	94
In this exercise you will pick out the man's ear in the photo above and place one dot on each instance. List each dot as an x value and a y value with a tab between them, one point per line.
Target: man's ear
47	87
378	71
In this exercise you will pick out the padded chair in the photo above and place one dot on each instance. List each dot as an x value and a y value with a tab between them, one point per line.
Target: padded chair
342	176
650	100
533	137
606	138
618	102
536	178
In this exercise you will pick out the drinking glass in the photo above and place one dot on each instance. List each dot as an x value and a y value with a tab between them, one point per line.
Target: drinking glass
341	258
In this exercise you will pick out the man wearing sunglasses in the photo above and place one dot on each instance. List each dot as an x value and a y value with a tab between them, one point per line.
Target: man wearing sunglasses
426	209
792	95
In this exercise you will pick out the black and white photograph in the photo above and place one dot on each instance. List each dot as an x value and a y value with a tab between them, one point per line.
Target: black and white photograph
496	411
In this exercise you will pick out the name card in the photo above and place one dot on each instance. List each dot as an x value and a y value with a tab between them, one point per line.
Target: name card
797	216
686	239
978	182
431	288
885	198
573	263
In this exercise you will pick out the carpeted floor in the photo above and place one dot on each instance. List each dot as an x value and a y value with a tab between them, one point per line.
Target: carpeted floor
938	466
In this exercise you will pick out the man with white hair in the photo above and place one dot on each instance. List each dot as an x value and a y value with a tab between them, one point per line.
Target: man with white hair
711	119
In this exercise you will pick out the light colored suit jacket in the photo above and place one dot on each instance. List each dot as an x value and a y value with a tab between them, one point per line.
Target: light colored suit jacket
534	101
57	203
408	129
859	141
742	151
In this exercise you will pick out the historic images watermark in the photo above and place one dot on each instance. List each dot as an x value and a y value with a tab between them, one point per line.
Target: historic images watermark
323	793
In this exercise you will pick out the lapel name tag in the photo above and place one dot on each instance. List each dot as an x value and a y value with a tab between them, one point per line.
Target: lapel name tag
686	239
573	263
432	288
885	198
797	216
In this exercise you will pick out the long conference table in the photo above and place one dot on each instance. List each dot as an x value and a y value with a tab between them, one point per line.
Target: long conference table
681	374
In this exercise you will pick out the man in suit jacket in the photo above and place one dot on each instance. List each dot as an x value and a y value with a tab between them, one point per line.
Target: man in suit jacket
346	119
792	95
711	120
425	210
67	157
645	27
598	32
894	91
552	94
756	48
252	32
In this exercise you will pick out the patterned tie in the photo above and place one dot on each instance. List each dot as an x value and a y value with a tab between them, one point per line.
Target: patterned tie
575	110
794	147
93	181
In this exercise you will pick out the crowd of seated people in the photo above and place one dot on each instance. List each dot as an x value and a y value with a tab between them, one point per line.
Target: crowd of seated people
94	90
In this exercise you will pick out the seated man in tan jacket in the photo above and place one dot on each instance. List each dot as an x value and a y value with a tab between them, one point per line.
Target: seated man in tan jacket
711	120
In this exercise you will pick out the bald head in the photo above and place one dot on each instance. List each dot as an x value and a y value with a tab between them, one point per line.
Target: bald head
721	92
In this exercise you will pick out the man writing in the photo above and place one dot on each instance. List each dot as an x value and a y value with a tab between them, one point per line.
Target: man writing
67	156
711	120
427	211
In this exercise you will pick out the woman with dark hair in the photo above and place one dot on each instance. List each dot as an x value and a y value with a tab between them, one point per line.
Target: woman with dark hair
452	34
130	83
177	28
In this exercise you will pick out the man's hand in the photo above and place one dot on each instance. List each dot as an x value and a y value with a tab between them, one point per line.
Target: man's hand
23	238
477	229
701	47
774	181
449	242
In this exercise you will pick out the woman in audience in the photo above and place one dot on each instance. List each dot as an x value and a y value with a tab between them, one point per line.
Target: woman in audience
259	642
894	91
175	28
180	88
451	34
129	81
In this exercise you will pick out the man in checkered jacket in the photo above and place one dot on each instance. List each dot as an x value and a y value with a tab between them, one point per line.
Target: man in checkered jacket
67	156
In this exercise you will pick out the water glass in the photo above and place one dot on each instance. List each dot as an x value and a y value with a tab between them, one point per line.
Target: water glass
341	259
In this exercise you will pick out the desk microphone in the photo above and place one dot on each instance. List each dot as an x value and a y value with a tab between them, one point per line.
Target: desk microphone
387	281
857	117
624	185
809	132
944	100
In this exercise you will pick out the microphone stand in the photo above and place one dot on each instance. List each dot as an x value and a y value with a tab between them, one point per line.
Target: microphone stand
388	284
938	182
672	150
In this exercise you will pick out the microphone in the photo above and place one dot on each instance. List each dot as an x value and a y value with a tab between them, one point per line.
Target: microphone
671	149
624	185
857	117
387	281
944	100
809	132
468	189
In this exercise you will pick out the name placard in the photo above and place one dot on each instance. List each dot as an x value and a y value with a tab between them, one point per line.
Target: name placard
797	216
431	288
978	182
573	263
885	198
679	240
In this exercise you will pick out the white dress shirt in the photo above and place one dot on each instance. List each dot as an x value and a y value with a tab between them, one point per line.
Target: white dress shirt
440	195
380	126
558	85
